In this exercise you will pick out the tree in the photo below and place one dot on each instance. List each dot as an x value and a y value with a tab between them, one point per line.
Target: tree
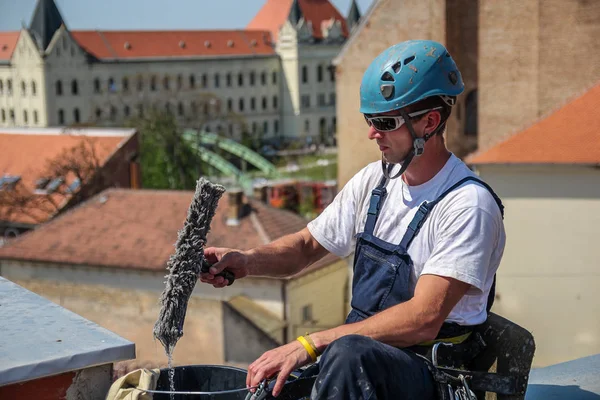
161	108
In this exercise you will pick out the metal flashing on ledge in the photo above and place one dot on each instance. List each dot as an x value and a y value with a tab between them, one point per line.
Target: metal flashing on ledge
39	338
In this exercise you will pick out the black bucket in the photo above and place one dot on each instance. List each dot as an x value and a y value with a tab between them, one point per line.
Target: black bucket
203	378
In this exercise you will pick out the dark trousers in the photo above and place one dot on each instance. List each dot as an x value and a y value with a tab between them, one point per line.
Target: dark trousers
356	367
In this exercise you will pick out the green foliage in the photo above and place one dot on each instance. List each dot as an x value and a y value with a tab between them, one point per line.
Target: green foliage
167	160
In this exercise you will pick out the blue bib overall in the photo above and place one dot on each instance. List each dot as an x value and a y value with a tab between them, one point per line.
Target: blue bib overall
356	367
382	269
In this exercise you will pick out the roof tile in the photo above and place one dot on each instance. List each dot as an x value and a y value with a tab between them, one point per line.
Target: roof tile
274	13
125	228
8	42
570	135
160	44
29	154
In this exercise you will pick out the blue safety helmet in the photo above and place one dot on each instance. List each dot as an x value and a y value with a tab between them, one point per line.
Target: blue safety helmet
409	72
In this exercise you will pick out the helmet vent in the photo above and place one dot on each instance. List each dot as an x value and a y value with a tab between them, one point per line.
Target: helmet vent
387	91
408	60
396	67
387	77
453	77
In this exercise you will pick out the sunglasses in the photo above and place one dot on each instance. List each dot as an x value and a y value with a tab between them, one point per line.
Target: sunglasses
391	123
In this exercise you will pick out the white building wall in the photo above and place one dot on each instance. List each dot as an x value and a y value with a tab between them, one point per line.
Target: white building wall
549	278
277	110
66	66
320	112
22	95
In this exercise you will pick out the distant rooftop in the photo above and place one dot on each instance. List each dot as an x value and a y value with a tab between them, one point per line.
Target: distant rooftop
570	135
137	229
39	338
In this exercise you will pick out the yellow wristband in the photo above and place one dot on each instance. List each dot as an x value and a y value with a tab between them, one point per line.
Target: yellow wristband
312	344
308	347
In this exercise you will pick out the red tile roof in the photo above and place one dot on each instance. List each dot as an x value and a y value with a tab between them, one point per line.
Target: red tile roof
27	155
274	13
570	135
160	44
8	42
138	229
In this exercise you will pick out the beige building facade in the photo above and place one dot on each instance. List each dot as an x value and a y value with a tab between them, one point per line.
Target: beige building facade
273	79
548	280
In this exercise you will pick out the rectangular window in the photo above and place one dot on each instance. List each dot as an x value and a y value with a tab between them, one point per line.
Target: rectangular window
307	315
321	100
305	101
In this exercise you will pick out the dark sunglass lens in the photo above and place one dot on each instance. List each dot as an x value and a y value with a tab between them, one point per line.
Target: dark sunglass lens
384	124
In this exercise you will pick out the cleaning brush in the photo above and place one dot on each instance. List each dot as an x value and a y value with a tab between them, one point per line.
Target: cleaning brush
186	263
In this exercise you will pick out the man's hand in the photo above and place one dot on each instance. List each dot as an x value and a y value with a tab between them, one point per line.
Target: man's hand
282	361
235	261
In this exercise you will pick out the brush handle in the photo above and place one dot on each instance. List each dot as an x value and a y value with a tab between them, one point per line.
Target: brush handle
225	273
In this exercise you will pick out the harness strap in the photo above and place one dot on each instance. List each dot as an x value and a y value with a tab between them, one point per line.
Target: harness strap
425	208
375	202
480	381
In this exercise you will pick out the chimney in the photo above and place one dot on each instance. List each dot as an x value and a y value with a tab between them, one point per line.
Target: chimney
235	207
260	193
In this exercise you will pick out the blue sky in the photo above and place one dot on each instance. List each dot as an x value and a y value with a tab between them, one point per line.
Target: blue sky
147	14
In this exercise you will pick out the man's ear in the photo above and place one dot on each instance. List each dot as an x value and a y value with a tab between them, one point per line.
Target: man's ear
434	118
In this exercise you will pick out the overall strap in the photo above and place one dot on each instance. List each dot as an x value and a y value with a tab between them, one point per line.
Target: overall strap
425	208
377	196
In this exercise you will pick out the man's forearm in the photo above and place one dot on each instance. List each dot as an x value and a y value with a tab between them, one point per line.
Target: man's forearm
414	321
285	256
398	326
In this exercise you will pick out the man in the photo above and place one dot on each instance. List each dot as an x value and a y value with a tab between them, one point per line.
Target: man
426	245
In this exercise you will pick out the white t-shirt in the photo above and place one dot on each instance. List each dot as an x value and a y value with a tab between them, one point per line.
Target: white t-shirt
463	237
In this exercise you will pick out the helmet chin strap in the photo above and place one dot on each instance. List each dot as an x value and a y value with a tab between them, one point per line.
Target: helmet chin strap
417	150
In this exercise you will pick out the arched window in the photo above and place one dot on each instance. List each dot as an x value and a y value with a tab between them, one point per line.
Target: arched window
61	117
76	115
58	88
319	73
74	87
33	88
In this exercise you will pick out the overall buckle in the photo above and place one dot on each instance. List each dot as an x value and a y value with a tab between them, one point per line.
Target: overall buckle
375	201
